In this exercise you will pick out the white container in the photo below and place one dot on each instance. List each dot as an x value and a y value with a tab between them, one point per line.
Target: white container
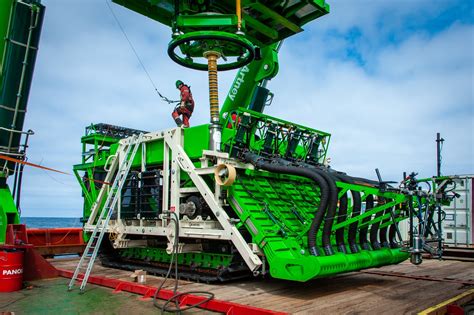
458	223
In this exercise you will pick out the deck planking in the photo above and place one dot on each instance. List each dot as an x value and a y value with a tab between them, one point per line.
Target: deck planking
352	293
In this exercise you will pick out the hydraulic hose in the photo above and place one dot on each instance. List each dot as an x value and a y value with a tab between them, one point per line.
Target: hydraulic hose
375	228
356	207
357	204
357	180
392	233
383	231
330	178
260	163
331	212
342	215
383	236
364	243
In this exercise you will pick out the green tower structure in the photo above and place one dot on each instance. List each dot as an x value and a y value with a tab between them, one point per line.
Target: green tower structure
20	29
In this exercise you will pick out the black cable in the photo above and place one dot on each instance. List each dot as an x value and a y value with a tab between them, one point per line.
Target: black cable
174	259
164	98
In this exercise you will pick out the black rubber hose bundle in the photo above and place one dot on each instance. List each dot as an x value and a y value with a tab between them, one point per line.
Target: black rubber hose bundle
375	227
357	205
330	178
260	163
392	234
383	231
342	215
331	212
364	243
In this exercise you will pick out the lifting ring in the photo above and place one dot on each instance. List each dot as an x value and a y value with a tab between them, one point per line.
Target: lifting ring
206	40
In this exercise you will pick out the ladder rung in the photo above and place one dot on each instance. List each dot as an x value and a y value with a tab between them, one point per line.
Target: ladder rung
106	212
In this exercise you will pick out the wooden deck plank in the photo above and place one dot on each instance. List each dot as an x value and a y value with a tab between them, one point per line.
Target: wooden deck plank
351	293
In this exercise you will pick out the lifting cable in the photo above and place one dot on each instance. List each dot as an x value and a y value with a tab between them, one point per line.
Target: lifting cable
164	98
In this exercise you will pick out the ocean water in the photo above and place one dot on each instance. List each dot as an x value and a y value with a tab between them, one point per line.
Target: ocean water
38	222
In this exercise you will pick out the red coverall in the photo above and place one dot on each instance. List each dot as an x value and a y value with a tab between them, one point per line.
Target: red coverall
185	108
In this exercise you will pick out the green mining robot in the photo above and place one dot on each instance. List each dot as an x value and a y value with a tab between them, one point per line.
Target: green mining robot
246	193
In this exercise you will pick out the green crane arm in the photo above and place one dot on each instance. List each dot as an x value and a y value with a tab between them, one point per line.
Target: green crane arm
247	41
248	89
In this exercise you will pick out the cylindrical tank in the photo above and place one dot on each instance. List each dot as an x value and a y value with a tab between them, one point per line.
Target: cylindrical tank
20	28
11	270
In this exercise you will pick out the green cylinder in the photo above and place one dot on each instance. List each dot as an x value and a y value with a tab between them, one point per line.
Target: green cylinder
20	29
5	11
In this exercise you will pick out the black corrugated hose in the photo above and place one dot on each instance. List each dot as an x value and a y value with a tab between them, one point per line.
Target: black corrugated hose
331	213
357	205
342	215
260	163
375	227
369	204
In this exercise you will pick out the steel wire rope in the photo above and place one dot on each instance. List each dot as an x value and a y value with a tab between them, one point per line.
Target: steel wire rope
175	298
164	98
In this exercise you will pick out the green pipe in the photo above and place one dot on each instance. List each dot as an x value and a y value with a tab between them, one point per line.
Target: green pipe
21	32
34	18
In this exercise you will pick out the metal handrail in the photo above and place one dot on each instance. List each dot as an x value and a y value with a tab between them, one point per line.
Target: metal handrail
29	132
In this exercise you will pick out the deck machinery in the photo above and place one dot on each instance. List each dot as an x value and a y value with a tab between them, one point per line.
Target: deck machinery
246	193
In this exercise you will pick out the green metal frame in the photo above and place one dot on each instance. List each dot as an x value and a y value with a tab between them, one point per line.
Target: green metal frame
265	203
265	21
257	125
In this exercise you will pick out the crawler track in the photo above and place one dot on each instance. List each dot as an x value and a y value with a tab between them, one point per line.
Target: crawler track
207	275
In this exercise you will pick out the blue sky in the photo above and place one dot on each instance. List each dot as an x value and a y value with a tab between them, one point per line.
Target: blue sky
382	76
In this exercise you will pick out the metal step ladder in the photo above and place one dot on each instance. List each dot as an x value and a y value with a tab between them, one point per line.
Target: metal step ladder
92	248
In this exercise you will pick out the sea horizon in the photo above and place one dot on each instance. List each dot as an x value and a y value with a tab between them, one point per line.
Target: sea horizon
51	222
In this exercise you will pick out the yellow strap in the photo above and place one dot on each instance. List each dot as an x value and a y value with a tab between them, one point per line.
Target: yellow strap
440	308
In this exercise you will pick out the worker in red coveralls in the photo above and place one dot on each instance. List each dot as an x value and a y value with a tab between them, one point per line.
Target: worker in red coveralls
186	106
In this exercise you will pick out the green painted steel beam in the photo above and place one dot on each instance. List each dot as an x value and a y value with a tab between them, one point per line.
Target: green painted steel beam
220	21
261	27
275	16
269	13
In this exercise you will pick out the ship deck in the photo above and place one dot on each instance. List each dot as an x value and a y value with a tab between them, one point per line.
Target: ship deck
357	292
396	289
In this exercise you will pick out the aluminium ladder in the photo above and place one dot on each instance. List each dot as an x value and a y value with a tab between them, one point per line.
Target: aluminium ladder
92	248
